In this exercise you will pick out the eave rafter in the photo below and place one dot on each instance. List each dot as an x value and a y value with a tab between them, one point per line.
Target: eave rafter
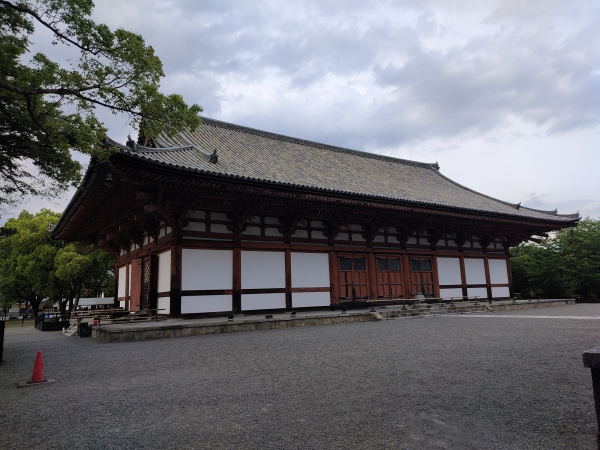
170	196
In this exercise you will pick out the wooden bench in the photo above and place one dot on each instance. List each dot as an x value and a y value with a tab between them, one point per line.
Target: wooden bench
464	298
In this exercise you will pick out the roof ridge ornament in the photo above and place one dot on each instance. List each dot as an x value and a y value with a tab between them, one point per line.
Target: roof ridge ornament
214	158
130	142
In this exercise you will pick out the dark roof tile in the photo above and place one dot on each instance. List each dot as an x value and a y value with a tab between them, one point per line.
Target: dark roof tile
246	153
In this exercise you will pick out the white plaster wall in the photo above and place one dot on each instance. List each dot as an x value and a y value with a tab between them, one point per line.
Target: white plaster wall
219	216
205	303
263	301
219	228
310	269
481	292
449	271
164	304
455	292
306	299
198	215
130	266
252	231
475	271
500	292
272	221
122	281
263	270
318	234
206	269
196	226
164	272
272	232
498	271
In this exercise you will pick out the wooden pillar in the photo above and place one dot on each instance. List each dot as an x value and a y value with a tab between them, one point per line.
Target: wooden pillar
334	274
406	279
436	277
511	289
288	279
135	297
116	300
176	267
372	276
153	300
236	297
488	282
463	275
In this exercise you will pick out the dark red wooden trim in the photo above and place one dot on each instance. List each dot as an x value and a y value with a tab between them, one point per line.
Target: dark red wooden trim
154	281
175	281
436	278
451	286
510	280
334	278
264	291
207	292
463	274
136	285
372	275
406	281
288	279
488	283
236	297
163	294
311	289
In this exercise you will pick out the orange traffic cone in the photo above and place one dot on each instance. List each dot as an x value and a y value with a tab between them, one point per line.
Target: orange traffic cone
38	369
38	373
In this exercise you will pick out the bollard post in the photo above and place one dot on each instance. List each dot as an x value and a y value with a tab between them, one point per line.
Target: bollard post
591	359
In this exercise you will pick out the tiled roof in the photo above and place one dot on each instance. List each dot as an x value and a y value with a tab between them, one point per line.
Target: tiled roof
253	155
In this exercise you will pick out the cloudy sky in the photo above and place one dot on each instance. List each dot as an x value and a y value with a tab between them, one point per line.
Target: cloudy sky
504	95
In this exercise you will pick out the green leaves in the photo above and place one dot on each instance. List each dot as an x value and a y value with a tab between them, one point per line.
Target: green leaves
114	70
565	265
33	267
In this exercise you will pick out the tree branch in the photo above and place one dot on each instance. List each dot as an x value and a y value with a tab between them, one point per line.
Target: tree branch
54	30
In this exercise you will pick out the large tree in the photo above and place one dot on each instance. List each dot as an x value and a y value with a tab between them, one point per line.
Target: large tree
566	264
33	267
47	107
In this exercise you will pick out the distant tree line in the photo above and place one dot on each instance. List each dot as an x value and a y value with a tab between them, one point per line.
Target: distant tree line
35	269
565	265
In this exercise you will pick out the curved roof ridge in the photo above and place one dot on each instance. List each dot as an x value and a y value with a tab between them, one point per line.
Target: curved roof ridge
282	137
142	149
138	148
517	206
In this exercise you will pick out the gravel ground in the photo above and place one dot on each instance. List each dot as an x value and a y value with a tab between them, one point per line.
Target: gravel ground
507	380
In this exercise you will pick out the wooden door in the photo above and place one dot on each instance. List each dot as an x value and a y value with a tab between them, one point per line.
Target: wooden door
146	280
421	276
389	276
353	277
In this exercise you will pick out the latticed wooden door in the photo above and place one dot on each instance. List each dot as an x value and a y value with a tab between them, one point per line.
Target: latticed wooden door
353	277
389	276
421	276
146	280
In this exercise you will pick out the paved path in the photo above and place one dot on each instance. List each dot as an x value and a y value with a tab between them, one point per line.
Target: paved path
506	380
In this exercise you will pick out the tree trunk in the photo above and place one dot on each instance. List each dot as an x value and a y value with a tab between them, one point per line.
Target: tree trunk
35	306
75	302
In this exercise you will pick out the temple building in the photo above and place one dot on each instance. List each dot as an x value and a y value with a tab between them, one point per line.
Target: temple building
229	219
